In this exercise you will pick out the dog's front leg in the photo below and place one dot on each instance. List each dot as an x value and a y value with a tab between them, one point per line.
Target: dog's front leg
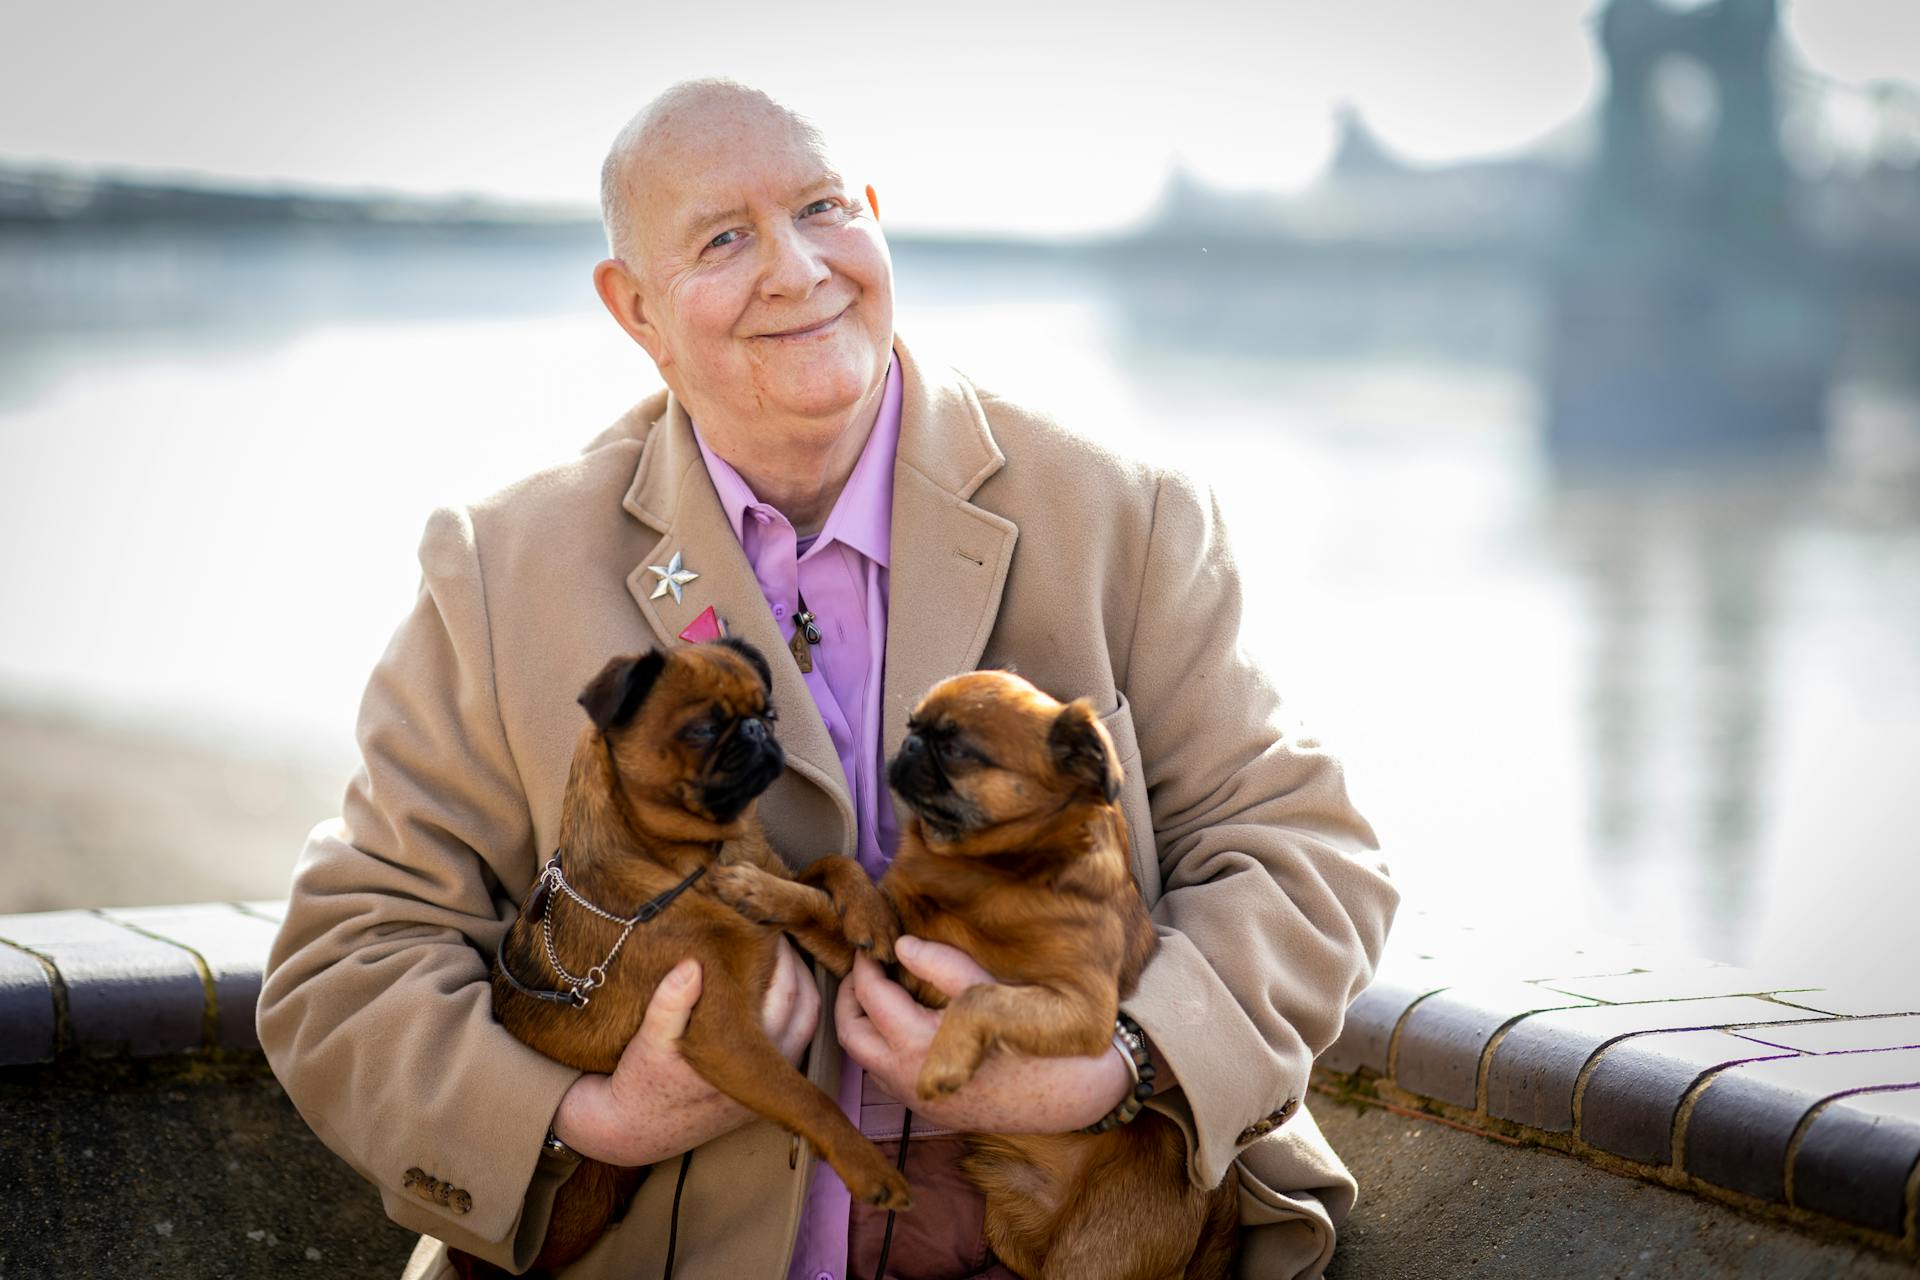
864	916
803	910
1041	1022
726	1046
831	910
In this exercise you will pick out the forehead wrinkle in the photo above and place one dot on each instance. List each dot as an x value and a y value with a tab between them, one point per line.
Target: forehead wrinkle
703	116
701	220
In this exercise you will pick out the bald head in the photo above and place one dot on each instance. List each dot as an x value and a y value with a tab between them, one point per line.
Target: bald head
756	277
682	117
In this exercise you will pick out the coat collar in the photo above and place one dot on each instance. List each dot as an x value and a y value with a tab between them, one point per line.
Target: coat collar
950	556
949	564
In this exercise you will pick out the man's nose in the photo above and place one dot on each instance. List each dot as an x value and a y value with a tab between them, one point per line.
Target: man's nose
797	267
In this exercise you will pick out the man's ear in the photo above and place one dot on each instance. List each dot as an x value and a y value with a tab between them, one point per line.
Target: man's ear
1083	751
620	293
873	201
612	697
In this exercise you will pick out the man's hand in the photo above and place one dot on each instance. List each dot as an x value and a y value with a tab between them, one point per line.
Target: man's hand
887	1032
654	1106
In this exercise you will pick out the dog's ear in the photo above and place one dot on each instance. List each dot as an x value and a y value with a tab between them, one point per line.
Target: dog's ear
616	693
752	655
1082	749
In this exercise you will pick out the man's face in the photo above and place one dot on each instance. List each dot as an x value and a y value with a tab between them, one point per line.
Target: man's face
765	287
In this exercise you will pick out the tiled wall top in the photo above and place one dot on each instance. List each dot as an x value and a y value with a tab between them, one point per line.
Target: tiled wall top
1747	1084
1758	1087
139	981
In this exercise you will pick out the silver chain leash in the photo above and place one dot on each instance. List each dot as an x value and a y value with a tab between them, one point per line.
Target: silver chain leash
580	988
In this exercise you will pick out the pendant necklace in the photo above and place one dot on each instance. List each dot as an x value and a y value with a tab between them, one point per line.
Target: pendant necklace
806	634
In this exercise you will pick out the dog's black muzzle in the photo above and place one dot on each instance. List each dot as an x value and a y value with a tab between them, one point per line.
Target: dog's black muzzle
916	774
913	773
746	764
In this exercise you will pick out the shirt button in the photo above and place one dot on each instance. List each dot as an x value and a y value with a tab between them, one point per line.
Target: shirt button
780	611
824	1275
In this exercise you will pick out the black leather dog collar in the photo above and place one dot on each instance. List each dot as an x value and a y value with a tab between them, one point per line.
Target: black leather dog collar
577	998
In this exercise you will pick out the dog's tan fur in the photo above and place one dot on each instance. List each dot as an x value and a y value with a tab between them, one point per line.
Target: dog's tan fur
1017	855
638	820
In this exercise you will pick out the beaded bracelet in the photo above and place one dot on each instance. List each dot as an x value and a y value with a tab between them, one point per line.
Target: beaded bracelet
1132	1043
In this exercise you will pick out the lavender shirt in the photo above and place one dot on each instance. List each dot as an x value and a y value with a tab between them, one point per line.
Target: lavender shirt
842	573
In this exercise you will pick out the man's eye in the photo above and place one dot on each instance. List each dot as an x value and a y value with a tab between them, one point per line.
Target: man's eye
819	206
722	240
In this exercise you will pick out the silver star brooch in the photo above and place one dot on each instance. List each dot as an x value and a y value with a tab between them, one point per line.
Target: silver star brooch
672	578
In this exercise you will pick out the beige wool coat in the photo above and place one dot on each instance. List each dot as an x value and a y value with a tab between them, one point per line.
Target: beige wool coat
1015	543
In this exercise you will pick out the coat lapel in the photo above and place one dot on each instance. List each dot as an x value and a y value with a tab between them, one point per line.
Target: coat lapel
672	494
950	557
949	568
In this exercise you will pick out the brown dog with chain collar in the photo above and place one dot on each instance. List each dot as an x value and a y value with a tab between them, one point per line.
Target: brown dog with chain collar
1017	854
660	795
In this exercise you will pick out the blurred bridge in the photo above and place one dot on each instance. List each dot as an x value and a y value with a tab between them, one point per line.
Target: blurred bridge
1688	309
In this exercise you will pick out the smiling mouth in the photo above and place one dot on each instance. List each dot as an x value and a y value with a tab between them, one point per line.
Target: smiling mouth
812	330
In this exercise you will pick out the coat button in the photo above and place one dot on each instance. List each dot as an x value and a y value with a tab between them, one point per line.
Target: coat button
1267	1124
1284	1114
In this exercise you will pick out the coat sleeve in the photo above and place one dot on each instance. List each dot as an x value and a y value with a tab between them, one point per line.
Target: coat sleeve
1274	905
376	1012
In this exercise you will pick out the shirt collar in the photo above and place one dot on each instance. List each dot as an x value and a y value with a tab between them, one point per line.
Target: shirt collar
862	516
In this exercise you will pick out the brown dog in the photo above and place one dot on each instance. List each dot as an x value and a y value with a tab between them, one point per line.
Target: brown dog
661	794
1017	855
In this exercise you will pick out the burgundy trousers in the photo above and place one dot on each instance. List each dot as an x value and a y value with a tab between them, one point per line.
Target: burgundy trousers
943	1237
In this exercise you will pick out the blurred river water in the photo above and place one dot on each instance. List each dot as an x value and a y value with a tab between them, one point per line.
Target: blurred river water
1680	704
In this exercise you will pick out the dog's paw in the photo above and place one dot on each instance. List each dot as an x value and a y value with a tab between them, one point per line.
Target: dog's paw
955	1055
750	891
886	1188
869	924
941	1076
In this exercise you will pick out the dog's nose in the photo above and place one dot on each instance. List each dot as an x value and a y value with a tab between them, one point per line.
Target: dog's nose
913	748
754	730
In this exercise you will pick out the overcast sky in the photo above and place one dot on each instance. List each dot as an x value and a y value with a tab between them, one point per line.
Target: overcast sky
1031	117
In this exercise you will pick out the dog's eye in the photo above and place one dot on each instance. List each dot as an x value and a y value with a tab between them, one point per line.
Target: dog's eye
700	731
951	752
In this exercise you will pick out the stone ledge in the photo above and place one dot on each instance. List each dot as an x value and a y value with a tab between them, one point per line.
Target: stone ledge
137	982
1756	1090
1753	1090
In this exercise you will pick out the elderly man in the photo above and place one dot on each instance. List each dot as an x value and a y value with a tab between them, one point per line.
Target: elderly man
873	523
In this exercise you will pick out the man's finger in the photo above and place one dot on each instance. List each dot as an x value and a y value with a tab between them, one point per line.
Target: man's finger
803	1018
948	968
897	1015
858	1036
671	1008
776	1011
